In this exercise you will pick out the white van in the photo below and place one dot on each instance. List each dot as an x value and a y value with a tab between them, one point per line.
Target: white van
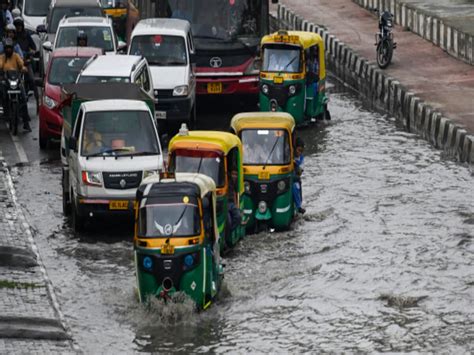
168	46
119	68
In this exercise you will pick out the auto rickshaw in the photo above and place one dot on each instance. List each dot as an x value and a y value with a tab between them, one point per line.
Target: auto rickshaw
176	243
267	140
218	155
293	75
124	15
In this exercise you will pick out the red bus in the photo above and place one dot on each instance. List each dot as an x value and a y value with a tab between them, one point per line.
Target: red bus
227	35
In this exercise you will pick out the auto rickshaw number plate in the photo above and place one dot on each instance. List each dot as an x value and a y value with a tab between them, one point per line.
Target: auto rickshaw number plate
167	249
214	88
118	205
278	80
263	175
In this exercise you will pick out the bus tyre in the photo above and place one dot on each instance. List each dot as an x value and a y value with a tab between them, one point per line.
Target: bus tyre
77	221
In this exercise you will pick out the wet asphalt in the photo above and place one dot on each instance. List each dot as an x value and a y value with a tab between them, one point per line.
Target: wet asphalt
381	261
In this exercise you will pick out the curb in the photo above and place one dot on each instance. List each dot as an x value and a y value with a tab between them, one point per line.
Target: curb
385	92
49	286
432	28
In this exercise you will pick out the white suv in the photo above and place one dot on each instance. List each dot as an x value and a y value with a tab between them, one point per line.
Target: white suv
99	30
119	68
168	46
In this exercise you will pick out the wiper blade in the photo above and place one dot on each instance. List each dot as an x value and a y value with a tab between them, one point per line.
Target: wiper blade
143	153
291	62
108	152
210	37
271	152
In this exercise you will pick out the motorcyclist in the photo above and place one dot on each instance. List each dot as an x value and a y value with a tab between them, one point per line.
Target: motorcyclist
10	32
82	39
5	16
28	47
12	61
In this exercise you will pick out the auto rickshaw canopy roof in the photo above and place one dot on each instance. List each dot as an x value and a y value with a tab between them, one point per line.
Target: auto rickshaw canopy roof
178	183
257	120
302	38
211	140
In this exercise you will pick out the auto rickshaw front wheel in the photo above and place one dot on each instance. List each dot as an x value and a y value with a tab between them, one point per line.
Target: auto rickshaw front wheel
327	114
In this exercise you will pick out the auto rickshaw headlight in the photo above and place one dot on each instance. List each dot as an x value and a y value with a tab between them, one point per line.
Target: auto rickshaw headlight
262	207
265	89
247	187
281	185
292	89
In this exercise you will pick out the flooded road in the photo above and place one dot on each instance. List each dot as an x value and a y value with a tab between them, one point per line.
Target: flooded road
381	261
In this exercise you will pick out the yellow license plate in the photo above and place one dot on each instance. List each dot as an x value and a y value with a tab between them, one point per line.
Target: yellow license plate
118	205
167	249
278	80
264	175
214	88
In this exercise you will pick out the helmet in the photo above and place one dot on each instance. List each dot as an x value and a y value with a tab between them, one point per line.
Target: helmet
16	12
10	27
19	21
8	43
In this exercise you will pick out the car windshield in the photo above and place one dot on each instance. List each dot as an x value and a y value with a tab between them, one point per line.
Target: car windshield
266	147
59	12
160	49
119	133
36	7
217	19
170	217
281	59
210	164
65	70
103	79
97	36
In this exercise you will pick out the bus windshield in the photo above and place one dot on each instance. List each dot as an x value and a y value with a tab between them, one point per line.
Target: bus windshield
170	217
266	147
217	19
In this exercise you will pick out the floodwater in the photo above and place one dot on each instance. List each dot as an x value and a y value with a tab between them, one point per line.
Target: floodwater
381	261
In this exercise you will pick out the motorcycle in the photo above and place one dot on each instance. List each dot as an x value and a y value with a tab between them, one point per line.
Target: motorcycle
11	105
384	39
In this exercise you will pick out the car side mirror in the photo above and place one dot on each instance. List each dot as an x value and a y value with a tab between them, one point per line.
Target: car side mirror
121	47
48	46
41	28
73	144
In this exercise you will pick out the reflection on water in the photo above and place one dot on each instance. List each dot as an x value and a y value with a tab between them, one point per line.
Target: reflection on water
382	261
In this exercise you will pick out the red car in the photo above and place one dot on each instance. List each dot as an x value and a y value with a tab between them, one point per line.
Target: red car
63	68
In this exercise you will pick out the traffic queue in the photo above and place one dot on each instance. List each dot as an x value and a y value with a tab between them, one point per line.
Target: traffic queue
109	105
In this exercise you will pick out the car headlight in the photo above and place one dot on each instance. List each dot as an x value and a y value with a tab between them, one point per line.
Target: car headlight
262	207
181	90
281	185
292	89
49	102
92	178
14	84
247	187
265	89
148	173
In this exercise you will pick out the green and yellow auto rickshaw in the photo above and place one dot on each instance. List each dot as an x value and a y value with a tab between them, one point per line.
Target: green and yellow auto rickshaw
124	15
176	243
218	155
293	75
267	140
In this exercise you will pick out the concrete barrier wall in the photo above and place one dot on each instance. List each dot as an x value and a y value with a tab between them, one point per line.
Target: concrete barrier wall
455	42
385	92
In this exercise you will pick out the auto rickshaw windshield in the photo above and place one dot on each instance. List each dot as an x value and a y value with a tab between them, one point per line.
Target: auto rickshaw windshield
169	217
210	164
281	58
266	147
